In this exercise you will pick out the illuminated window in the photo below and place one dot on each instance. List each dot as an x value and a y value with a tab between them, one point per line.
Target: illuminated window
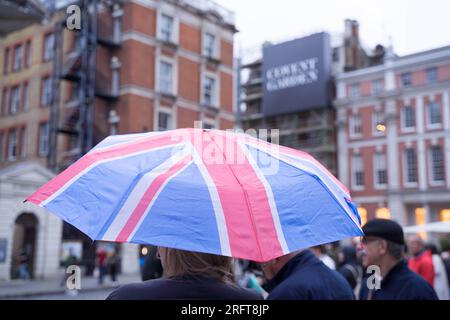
363	215
421	220
445	215
383	213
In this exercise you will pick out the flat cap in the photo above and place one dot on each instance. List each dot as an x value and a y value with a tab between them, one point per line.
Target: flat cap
384	229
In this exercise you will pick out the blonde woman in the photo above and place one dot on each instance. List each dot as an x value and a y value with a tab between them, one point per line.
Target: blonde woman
188	275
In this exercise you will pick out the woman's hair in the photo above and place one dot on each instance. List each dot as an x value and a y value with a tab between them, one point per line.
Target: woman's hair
187	263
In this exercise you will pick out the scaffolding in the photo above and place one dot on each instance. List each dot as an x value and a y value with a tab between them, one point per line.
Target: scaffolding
78	67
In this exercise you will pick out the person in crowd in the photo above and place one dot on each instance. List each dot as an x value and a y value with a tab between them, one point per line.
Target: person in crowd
101	265
112	264
321	253
440	274
70	260
349	267
248	275
383	246
446	258
301	275
188	275
152	268
421	260
24	272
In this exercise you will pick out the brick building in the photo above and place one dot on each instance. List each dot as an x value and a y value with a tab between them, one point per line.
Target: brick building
394	137
171	65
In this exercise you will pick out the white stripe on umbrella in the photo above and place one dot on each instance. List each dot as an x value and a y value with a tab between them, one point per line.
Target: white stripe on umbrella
95	164
311	168
217	205
138	192
270	197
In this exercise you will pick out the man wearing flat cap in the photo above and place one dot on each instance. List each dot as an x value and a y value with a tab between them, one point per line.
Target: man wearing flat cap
383	246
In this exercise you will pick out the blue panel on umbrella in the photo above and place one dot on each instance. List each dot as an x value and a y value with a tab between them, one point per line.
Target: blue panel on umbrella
92	201
309	213
182	216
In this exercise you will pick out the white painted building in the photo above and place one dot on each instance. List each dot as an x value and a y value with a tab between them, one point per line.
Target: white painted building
25	226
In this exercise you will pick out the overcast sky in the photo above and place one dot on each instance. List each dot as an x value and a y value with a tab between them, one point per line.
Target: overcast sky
414	25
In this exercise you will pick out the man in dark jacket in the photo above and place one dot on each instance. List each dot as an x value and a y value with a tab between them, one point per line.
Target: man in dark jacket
383	246
302	276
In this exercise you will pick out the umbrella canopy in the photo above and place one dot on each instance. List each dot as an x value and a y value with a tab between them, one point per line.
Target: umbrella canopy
202	190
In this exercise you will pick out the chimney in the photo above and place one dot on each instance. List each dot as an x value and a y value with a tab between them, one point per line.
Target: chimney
351	43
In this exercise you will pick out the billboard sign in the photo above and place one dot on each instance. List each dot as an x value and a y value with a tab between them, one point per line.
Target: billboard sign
296	75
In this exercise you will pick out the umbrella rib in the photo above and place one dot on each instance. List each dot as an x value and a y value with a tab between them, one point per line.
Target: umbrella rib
245	194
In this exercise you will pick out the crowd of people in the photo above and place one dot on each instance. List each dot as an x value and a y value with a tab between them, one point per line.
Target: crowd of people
382	265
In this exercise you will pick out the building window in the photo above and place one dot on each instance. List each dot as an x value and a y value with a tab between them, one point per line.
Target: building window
437	164
432	75
209	91
28	54
444	215
358	171
12	145
406	79
164	121
48	47
355	125
363	215
25	105
411	165
166	77
18	58
377	86
355	90
378	123
43	139
383	213
15	100
380	166
5	101
434	113
409	117
167	25
46	94
6	61
209	44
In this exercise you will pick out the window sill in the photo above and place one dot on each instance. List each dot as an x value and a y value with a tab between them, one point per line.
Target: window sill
169	43
212	59
437	183
210	106
408	130
434	126
167	95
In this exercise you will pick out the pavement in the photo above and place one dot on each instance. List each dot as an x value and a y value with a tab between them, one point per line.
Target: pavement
33	289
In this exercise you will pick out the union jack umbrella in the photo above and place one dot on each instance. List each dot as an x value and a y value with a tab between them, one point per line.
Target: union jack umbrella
209	191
